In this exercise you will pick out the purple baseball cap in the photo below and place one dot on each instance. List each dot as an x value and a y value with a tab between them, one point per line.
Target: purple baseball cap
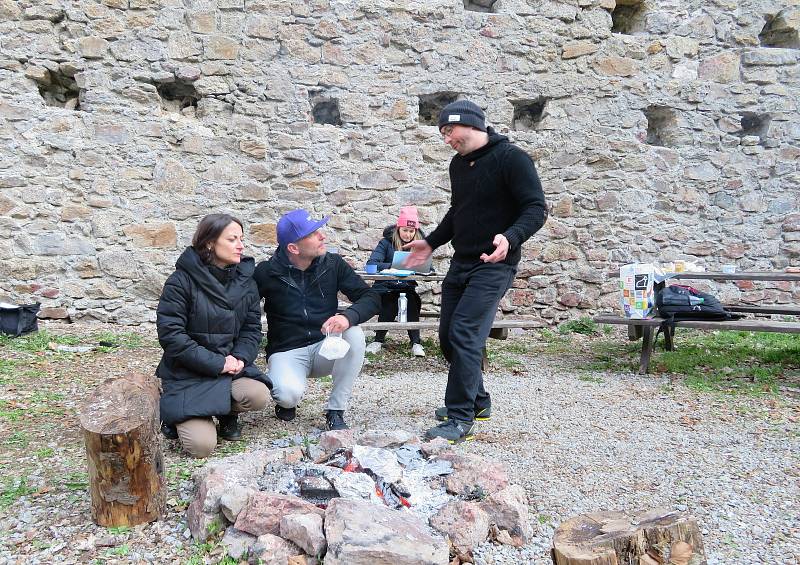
296	225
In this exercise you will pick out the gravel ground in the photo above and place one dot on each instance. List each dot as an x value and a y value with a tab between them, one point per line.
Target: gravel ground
577	441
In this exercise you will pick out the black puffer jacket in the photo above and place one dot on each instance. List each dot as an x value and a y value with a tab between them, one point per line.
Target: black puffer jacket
382	256
298	302
200	321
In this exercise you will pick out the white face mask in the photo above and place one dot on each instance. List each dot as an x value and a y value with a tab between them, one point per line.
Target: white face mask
334	347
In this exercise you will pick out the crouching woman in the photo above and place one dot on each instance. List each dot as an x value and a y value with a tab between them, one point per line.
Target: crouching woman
209	326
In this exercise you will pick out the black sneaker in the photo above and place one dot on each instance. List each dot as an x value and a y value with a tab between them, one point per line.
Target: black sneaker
285	414
169	431
454	431
334	420
481	414
229	427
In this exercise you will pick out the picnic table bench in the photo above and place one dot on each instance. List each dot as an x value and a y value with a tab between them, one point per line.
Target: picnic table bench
500	326
647	329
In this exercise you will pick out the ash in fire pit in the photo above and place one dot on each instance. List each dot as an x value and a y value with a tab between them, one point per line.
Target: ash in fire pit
386	494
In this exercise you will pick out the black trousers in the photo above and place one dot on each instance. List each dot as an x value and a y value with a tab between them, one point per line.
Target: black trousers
470	295
389	312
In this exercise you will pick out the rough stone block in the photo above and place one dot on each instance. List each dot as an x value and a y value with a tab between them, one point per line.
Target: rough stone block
361	533
306	531
465	523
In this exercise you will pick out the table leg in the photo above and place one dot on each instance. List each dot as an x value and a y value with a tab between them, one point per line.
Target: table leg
647	349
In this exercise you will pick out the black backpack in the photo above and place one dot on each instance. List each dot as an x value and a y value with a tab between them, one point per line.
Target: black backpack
680	302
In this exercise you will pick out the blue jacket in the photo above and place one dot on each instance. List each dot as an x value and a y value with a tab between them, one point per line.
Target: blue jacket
298	302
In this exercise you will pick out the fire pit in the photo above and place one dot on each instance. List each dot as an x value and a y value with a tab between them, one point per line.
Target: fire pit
383	494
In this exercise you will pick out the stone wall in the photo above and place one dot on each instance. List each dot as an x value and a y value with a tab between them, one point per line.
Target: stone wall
662	129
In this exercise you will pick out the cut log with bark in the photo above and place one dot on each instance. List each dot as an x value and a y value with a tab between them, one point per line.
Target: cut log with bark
657	537
120	424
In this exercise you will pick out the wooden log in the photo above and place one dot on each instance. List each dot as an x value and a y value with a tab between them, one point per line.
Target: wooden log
120	424
658	537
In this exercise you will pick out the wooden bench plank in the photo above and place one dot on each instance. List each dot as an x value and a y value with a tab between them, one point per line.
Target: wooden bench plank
434	324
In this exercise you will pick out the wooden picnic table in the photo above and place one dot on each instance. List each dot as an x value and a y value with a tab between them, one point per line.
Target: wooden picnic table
645	329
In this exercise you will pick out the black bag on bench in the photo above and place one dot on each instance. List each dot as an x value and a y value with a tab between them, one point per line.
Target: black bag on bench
680	302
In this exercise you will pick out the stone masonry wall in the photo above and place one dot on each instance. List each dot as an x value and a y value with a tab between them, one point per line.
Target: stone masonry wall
662	129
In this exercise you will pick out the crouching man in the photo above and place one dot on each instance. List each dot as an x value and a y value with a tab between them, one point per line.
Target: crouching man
300	283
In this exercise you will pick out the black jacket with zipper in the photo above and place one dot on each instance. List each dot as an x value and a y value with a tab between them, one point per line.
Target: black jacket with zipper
495	190
297	302
382	256
201	319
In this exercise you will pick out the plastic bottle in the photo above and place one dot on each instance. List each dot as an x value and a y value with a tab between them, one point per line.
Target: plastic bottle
402	308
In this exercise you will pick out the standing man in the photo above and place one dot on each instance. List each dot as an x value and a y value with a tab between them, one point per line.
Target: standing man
300	284
496	204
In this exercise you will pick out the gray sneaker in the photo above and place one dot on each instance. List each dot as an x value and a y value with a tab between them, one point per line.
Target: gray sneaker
481	414
454	431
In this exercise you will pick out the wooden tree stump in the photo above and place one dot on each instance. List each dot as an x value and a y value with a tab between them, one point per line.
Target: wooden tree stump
657	537
120	424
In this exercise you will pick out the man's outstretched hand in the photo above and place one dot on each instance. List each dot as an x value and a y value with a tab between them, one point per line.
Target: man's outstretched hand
420	253
500	250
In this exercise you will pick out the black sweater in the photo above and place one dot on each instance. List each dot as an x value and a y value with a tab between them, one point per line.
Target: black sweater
495	189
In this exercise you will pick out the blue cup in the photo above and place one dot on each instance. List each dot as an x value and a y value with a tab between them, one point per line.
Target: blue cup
371	269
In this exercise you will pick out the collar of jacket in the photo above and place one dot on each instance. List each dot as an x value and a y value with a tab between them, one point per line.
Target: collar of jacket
494	139
281	264
190	263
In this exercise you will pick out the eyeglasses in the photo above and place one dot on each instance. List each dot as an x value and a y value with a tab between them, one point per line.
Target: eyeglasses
447	131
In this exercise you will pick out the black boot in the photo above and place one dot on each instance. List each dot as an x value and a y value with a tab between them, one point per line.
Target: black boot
229	427
169	431
334	420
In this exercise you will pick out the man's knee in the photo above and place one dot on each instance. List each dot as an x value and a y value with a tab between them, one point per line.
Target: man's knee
288	392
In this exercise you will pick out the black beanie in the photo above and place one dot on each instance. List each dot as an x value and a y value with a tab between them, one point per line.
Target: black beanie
463	112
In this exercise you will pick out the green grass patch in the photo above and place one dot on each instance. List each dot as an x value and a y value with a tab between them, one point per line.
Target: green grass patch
13	489
590	379
718	361
18	439
8	413
36	342
45	453
583	325
76	481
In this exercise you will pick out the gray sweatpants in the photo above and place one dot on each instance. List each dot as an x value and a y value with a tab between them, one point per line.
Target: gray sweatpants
288	371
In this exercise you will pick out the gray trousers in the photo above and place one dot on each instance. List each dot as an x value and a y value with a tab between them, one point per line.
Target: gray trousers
289	371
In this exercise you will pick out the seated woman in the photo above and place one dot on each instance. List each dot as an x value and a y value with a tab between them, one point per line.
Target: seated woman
394	238
209	326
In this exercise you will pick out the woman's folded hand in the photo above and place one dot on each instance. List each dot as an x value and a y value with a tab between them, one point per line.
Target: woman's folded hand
232	365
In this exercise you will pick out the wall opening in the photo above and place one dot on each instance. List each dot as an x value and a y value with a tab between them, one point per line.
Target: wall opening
780	31
59	90
755	124
662	126
528	114
628	16
324	109
430	106
479	5
178	96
